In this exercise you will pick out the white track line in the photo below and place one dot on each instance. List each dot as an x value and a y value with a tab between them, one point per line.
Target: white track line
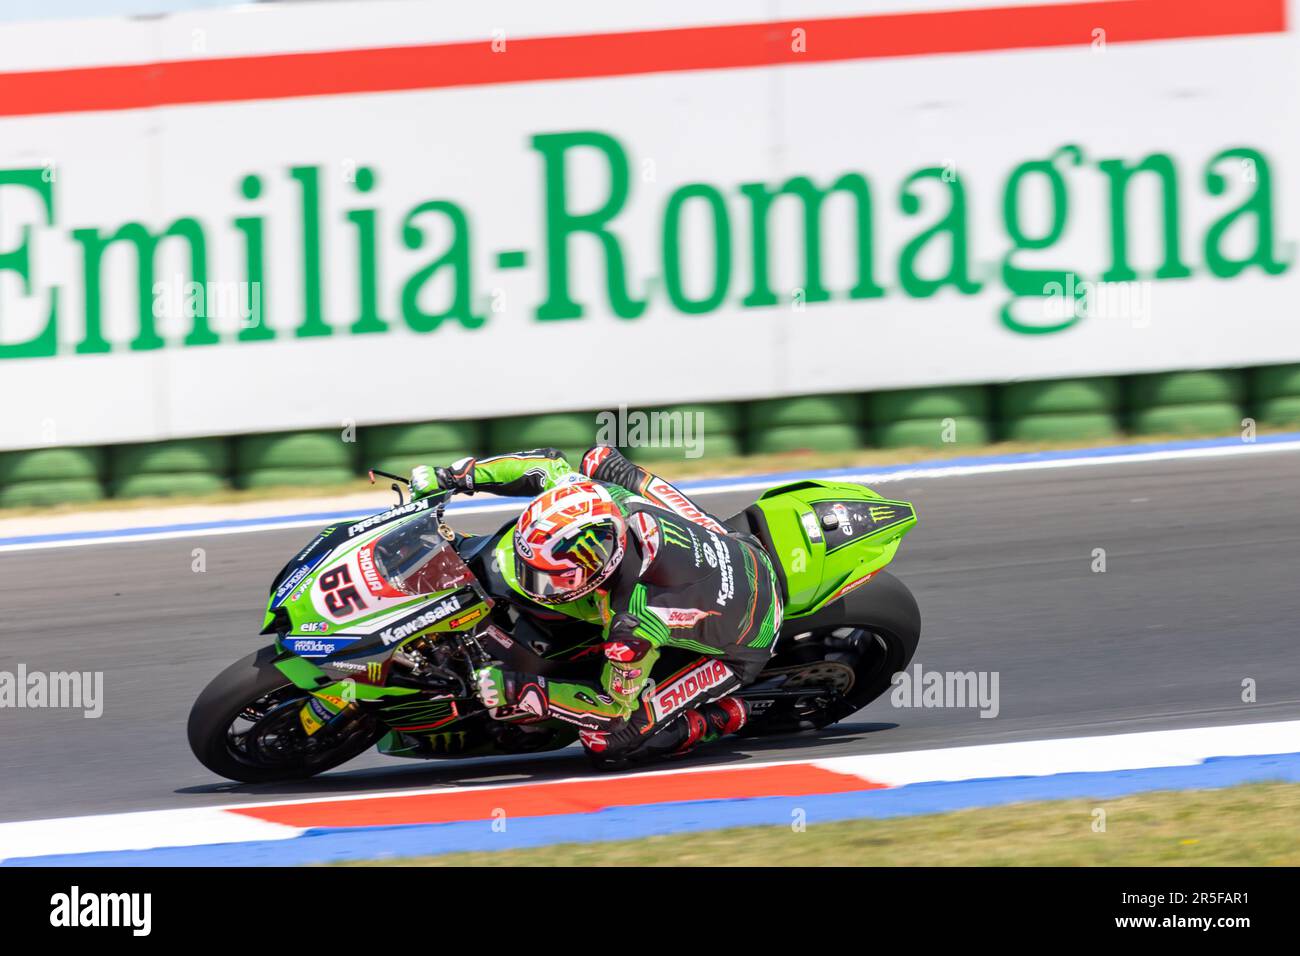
201	826
935	470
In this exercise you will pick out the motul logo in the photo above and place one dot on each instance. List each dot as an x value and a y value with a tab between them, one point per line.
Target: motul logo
685	689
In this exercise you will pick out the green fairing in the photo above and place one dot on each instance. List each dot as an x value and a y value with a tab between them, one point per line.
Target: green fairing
814	573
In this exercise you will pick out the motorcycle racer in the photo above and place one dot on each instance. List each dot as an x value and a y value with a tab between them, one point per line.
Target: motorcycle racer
689	610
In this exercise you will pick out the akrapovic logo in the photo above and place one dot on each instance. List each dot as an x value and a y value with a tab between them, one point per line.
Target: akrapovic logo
400	632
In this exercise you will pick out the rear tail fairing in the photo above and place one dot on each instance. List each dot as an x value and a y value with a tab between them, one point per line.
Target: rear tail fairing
827	538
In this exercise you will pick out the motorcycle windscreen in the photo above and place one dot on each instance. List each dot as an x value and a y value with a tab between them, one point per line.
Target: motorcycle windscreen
416	559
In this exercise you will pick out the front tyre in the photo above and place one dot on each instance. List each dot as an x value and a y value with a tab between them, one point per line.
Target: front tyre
244	726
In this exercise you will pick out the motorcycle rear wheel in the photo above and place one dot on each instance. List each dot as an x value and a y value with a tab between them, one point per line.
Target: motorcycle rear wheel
853	648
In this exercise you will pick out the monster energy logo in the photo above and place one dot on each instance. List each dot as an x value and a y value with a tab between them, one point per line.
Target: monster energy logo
448	742
673	534
881	512
589	550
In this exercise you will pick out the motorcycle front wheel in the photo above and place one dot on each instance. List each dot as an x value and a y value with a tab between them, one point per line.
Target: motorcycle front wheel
245	726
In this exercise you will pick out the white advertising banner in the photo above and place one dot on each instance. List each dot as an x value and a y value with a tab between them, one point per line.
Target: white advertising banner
292	217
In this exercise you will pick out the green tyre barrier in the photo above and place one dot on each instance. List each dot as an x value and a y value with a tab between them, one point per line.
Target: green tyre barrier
31	494
915	404
713	446
1064	396
804	410
152	485
821	438
395	441
185	456
1078	426
1204	418
722	418
1282	410
1275	381
404	464
930	433
1185	388
53	464
564	430
295	477
292	450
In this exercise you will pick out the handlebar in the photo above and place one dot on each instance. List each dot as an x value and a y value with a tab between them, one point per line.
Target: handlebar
442	496
384	474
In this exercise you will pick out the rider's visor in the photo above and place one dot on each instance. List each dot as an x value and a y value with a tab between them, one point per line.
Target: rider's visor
553	588
587	554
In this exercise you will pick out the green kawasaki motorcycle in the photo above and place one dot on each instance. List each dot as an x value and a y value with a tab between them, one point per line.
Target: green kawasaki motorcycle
379	624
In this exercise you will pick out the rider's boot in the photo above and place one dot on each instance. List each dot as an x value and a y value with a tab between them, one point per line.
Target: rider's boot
712	721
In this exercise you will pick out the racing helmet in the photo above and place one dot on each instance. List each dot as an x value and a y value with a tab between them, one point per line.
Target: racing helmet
568	542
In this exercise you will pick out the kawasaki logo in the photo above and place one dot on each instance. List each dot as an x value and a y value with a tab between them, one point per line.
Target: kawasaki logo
407	509
1219	209
442	609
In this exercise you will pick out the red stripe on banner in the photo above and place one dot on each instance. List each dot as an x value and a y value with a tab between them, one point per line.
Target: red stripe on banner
588	796
441	66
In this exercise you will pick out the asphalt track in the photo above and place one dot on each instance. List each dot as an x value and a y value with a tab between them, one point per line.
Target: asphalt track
1200	593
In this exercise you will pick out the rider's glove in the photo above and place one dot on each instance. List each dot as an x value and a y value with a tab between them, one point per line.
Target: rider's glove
458	476
506	693
628	660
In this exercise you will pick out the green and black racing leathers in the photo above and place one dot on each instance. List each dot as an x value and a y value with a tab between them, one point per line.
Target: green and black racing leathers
691	614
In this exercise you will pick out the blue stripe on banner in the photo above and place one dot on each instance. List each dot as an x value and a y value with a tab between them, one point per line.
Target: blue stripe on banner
1100	455
623	823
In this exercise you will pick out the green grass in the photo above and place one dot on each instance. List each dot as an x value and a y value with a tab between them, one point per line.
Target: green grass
1253	825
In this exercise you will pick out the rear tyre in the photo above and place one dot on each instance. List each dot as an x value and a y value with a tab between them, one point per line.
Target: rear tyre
852	648
245	727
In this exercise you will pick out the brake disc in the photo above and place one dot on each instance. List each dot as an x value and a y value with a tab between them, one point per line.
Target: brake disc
834	675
